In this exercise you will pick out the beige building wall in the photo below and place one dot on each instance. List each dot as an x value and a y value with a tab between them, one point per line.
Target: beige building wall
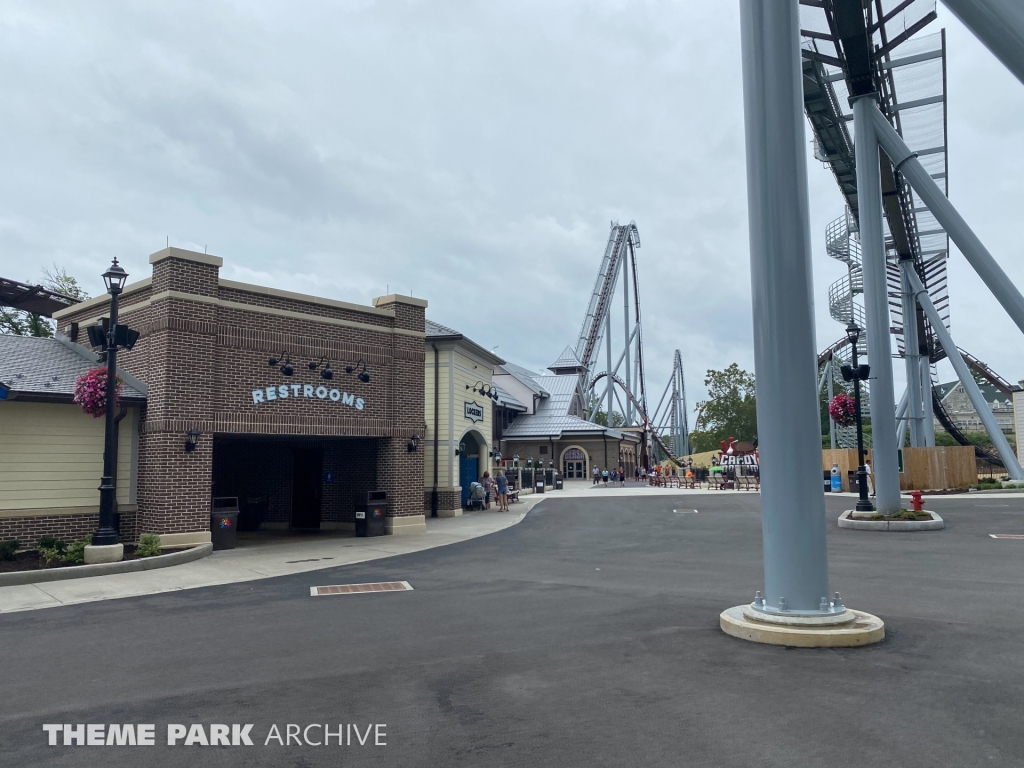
1018	423
51	456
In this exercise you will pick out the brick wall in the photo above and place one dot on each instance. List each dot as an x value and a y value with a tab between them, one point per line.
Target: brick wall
202	358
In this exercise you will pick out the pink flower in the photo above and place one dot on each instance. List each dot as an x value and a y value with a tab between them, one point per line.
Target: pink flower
842	410
91	391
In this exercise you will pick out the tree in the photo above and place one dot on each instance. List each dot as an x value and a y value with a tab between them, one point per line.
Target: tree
18	323
599	416
729	411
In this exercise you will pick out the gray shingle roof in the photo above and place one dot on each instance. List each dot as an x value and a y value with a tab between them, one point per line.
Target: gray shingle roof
35	368
435	330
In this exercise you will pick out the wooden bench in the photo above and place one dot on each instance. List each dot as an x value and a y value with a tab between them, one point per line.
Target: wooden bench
748	483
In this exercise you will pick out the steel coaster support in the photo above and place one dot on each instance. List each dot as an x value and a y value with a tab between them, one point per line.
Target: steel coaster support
789	429
831	393
999	25
974	251
901	418
912	351
885	464
928	412
628	413
963	371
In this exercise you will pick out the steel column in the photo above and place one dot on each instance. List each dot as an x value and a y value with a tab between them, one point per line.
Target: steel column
625	321
901	422
885	466
999	25
831	394
928	411
913	357
608	338
967	379
789	429
974	251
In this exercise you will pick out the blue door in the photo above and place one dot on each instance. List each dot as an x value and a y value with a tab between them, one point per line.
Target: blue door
467	475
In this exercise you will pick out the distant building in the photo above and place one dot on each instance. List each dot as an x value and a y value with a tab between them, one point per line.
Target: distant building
961	410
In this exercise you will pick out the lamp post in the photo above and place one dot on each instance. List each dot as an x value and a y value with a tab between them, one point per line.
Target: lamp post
114	278
858	373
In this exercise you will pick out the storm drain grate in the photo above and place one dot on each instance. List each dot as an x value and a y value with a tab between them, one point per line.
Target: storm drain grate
358	589
685	511
1007	535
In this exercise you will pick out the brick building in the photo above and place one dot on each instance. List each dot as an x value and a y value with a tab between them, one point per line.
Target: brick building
295	449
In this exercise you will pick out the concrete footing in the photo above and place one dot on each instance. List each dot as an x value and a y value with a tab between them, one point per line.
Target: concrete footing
850	519
108	553
859	629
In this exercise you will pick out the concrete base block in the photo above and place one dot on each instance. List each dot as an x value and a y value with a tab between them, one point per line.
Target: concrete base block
449	512
849	520
184	540
864	630
108	553
406	524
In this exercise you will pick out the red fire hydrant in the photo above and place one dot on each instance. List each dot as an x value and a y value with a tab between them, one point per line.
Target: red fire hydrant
918	502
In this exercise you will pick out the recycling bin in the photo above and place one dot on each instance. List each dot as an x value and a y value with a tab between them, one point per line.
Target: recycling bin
224	522
370	509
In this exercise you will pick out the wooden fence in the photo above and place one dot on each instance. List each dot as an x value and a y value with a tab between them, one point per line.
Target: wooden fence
923	468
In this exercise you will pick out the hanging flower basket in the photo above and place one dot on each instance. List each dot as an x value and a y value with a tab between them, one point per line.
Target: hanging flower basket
842	410
91	391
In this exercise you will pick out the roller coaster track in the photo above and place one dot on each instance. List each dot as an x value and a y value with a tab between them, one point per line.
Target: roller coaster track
640	409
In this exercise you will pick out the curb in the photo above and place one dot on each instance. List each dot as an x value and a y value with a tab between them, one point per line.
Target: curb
105	569
935	524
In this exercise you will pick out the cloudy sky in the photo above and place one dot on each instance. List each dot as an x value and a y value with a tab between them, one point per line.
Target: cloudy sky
469	152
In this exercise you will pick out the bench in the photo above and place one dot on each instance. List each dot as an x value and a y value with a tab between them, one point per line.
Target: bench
748	483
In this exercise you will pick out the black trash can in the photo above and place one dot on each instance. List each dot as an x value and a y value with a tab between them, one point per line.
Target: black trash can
558	483
370	509
253	513
539	486
854	480
224	522
828	480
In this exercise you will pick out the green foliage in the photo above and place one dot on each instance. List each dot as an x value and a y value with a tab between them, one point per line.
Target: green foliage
8	549
76	551
149	545
600	417
730	410
53	550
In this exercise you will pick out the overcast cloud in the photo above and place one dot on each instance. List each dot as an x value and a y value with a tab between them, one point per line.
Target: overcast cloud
472	153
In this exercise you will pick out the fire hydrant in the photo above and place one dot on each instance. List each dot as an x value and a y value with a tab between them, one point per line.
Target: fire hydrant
918	502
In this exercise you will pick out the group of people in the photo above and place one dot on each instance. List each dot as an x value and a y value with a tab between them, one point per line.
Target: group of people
497	486
616	476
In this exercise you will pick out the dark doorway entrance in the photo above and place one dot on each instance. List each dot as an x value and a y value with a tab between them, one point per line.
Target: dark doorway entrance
307	470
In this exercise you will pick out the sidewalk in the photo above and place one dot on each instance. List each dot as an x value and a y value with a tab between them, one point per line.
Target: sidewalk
279	556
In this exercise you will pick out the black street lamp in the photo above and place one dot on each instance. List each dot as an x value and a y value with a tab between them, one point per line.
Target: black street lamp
114	278
858	373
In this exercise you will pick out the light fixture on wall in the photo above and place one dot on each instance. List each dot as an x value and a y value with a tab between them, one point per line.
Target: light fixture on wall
363	375
286	367
326	374
414	443
487	390
461	450
192	440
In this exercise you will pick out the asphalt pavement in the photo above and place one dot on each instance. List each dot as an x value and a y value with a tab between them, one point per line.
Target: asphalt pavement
587	635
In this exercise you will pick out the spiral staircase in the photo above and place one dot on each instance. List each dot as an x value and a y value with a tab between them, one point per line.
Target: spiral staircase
842	243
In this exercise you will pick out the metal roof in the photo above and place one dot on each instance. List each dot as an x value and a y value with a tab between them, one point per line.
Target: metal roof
33	368
525	377
567	361
437	332
552	418
505	400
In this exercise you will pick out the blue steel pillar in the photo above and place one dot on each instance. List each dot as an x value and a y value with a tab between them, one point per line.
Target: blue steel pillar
789	429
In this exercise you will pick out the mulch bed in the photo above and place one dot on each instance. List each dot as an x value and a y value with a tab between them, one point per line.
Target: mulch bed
30	561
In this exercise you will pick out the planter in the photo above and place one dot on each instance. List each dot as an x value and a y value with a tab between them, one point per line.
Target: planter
103	569
934	524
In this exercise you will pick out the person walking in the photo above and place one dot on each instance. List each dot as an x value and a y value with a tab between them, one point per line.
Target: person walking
604	476
502	483
597	475
622	476
488	483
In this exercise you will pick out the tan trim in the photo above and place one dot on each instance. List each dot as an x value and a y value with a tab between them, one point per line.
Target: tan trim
7	514
182	540
394	298
181	253
102	300
449	512
406	524
264	291
264	311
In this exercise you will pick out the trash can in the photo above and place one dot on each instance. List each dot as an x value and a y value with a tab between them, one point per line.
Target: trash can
253	513
224	522
539	486
370	509
828	480
854	481
558	483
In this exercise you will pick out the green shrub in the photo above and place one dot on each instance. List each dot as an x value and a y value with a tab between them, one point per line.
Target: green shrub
149	545
76	552
8	549
50	542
